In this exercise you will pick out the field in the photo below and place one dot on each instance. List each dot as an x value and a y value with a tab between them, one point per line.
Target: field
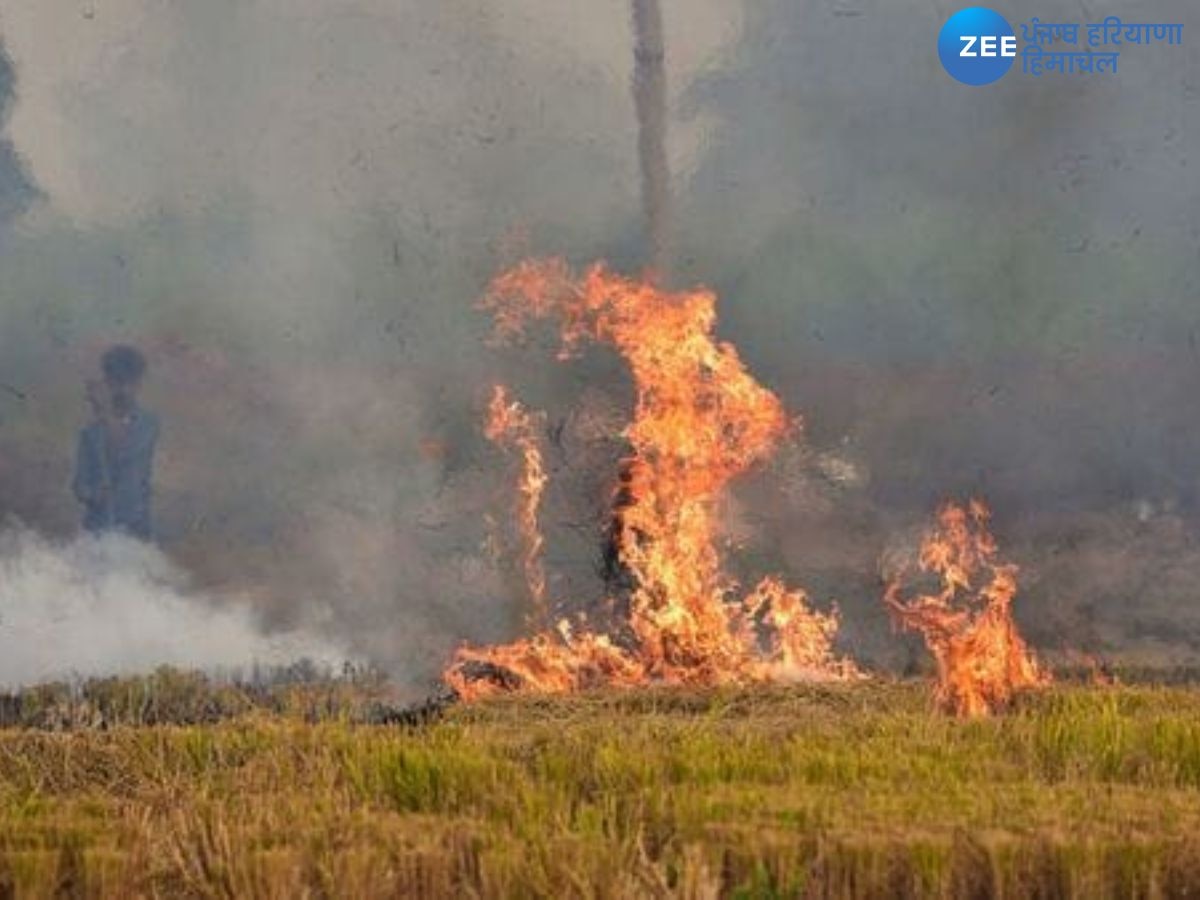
845	791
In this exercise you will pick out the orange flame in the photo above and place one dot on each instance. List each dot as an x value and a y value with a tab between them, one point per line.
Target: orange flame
699	421
968	626
510	425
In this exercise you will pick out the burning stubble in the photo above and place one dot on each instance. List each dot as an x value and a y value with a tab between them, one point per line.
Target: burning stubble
961	334
982	661
700	420
510	425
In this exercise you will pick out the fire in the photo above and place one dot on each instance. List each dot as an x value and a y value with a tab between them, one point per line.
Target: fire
510	425
968	624
699	421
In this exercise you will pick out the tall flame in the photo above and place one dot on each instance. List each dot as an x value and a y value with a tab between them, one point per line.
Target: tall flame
510	425
699	420
968	625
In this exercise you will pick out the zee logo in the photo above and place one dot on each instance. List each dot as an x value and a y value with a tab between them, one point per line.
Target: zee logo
987	45
977	46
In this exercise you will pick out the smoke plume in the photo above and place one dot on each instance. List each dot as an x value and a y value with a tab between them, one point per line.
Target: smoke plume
93	607
292	206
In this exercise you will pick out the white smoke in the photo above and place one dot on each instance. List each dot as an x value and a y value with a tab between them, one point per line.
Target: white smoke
111	605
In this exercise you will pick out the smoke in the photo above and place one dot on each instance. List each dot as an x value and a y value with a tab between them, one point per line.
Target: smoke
111	606
16	190
293	204
967	292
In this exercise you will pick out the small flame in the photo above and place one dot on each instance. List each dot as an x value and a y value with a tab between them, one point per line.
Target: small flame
699	421
968	626
510	425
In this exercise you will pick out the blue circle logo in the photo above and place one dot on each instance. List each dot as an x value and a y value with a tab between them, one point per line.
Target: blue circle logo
977	46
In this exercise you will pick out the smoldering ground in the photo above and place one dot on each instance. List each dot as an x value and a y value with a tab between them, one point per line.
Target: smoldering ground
293	206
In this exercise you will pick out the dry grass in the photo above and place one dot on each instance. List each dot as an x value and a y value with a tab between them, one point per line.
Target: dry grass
848	791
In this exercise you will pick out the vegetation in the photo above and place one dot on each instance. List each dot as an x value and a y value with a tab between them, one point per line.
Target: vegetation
173	697
839	791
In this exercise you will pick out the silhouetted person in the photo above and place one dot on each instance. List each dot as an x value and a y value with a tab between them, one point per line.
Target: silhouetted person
115	460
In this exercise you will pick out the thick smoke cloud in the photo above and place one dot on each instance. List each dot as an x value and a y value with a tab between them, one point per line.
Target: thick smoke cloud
293	204
95	607
972	291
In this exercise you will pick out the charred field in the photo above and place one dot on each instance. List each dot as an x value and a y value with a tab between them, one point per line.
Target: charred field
855	789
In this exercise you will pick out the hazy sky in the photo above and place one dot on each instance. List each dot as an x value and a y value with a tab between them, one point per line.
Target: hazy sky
129	104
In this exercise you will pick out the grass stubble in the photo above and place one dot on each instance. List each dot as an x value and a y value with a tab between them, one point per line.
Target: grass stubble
809	791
